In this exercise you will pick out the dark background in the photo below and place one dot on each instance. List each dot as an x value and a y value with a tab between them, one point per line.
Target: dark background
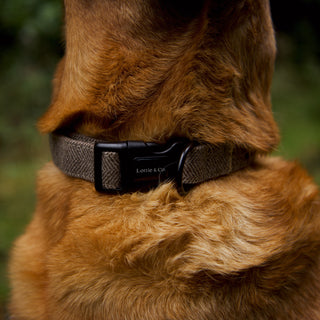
31	44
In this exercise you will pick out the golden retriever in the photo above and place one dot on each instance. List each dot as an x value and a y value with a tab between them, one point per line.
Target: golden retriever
243	246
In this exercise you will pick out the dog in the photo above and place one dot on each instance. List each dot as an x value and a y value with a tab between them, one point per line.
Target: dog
195	76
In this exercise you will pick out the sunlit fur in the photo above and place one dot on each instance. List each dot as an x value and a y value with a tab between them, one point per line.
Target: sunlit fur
243	247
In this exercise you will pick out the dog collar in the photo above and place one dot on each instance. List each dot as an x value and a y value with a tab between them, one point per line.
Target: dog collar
136	165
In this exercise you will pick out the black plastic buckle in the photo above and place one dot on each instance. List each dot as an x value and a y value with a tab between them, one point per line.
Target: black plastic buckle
143	165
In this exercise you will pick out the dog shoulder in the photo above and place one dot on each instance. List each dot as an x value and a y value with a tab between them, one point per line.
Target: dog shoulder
256	230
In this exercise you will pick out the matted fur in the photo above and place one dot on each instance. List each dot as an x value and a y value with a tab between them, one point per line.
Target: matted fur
243	247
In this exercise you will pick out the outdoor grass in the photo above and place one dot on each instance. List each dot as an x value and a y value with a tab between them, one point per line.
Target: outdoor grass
296	105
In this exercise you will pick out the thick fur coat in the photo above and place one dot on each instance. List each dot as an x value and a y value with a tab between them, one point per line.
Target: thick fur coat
243	247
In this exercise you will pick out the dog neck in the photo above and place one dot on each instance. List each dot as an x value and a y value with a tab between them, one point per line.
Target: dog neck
136	165
138	70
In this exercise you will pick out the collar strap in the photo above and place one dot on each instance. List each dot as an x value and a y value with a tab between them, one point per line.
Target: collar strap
134	165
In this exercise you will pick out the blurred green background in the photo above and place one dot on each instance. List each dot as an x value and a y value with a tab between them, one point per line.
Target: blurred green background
32	43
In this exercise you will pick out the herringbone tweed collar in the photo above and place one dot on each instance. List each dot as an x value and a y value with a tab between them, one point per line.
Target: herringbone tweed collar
136	165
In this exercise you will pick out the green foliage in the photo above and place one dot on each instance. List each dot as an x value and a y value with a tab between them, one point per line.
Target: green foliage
30	33
296	105
30	47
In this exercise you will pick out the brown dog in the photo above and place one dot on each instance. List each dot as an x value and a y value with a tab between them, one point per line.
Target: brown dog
242	246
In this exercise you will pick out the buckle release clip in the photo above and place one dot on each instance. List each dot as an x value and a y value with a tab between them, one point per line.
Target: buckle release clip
143	164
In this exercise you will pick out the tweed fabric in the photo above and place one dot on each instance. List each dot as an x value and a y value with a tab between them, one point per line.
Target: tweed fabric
111	175
74	155
205	162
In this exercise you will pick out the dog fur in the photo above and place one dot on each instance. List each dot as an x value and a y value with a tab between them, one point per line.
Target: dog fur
244	246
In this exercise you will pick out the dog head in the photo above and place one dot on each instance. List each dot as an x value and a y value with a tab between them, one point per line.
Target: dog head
151	70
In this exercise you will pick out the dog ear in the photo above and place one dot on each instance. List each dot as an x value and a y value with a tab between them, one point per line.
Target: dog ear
67	102
137	74
92	51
